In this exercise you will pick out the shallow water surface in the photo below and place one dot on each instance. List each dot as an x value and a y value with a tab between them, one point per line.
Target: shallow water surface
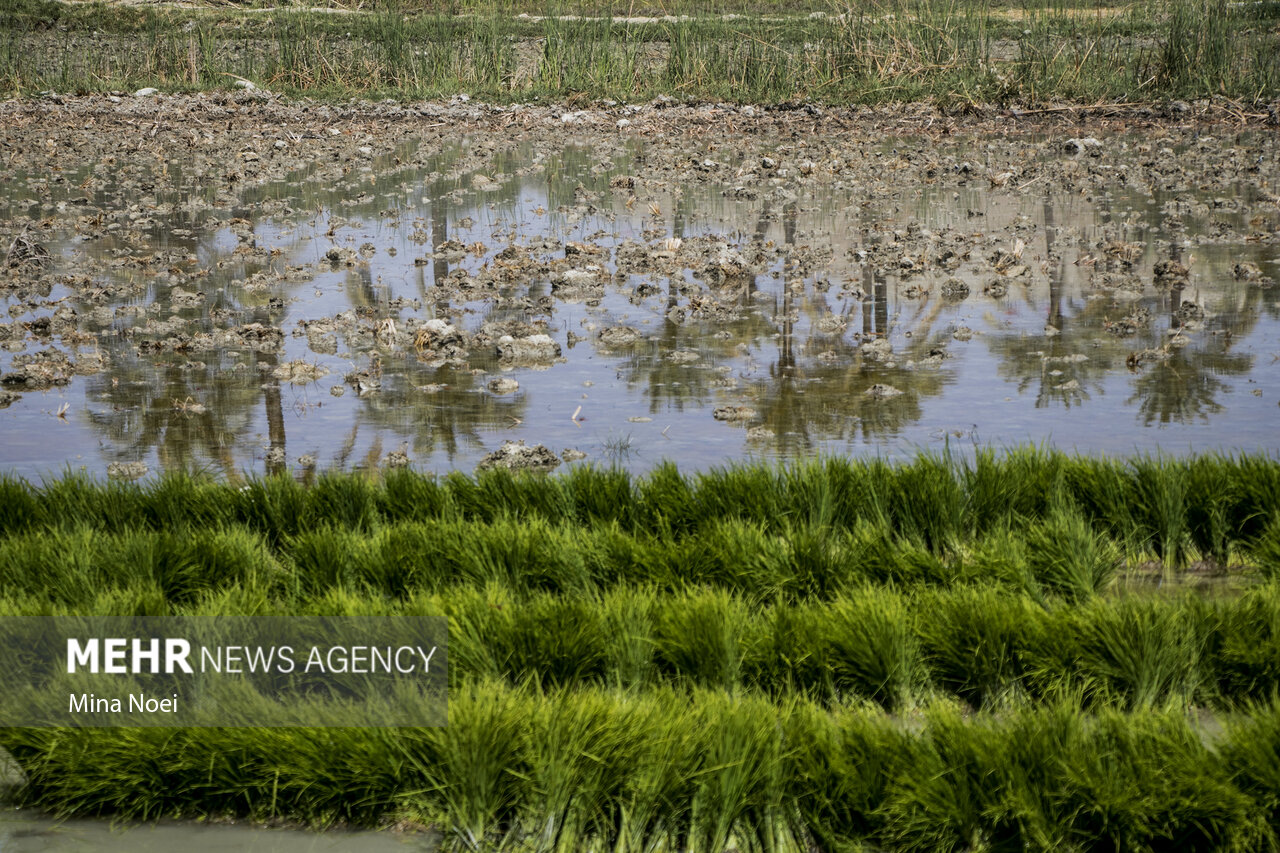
713	310
29	832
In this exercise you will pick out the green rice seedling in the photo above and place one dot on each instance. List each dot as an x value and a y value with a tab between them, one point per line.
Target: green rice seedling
472	769
613	557
812	490
1251	752
1160	497
389	563
578	758
18	505
465	495
595	496
666	503
542	639
653	809
60	568
276	506
951	799
323	559
746	492
409	496
347	501
999	557
1026	811
534	554
522	495
928	503
628	620
1256	481
698	770
874	652
528	555
164	559
1067	557
1148	782
736	555
819	564
874	555
232	558
1265	551
531	555
793	655
839	768
552	641
1009	490
76	499
976	641
185	499
702	637
1246	651
476	616
1102	491
739	786
1141	653
1212	499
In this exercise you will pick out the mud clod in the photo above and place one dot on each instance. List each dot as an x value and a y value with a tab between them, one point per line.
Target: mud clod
881	391
734	414
126	470
516	455
531	350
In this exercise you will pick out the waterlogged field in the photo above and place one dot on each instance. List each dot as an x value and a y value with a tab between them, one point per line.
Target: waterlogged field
238	285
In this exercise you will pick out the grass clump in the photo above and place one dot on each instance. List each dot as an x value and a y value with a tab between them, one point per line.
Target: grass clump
700	770
957	54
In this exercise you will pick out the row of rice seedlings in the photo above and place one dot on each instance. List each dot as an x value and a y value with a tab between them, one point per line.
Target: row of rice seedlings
983	647
596	769
896	650
72	565
1061	557
1208	507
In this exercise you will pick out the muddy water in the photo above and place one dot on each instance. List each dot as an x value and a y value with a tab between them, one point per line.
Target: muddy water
727	302
27	832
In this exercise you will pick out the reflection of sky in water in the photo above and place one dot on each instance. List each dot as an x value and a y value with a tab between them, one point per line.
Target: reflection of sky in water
1039	367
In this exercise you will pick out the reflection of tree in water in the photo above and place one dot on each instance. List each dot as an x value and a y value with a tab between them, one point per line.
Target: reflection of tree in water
809	399
1178	378
1059	363
1185	386
448	419
190	408
821	388
670	383
151	409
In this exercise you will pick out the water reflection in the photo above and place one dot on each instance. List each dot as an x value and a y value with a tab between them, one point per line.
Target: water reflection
825	320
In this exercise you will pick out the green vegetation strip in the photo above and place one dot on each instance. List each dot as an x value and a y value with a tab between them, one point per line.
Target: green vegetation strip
979	645
595	769
1024	650
956	52
1068	515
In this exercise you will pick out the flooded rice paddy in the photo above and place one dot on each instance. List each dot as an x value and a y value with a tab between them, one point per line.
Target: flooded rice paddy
313	293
